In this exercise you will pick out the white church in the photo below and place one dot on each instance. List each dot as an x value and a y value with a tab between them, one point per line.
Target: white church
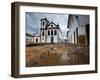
49	33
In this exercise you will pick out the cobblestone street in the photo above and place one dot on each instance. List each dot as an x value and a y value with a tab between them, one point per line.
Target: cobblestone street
56	54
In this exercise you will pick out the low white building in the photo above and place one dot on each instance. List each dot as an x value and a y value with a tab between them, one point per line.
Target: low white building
36	38
78	29
29	38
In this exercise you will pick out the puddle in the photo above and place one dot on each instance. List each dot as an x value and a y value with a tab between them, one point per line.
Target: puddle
64	56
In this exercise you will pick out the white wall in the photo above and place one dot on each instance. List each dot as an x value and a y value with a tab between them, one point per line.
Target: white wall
29	39
83	20
43	37
5	41
81	31
36	38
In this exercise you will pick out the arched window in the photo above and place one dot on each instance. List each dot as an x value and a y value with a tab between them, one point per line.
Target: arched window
43	23
55	32
48	32
51	32
42	33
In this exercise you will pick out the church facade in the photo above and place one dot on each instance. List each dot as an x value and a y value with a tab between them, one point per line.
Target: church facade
49	33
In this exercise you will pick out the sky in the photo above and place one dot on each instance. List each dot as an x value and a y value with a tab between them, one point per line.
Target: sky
33	22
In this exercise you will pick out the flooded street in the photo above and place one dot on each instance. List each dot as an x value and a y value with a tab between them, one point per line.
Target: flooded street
56	54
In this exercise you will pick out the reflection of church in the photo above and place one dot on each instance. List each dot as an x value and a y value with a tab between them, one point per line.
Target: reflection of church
49	33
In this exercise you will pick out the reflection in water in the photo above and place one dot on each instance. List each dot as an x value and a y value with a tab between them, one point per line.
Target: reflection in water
64	56
57	54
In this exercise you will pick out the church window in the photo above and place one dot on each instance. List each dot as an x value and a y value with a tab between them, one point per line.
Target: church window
51	25
48	32
55	32
51	32
43	33
43	23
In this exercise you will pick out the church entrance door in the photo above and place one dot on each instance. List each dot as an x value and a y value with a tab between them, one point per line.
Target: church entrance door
52	39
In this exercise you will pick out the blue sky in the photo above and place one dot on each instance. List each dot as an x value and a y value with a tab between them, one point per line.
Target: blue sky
33	21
